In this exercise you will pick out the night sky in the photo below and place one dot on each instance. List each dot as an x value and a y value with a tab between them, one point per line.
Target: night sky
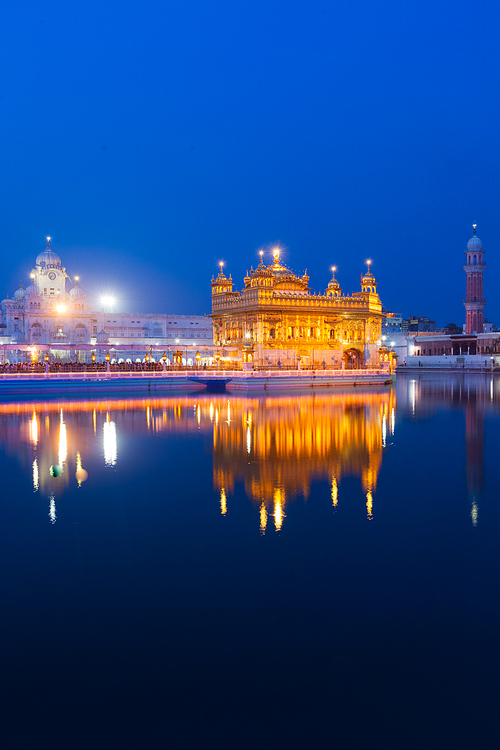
153	139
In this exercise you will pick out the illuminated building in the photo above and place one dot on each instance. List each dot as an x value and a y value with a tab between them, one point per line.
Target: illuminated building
45	314
275	319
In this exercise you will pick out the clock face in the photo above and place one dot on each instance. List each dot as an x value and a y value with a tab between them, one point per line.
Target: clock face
52	276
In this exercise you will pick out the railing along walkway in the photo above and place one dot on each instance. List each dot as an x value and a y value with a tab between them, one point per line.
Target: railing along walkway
184	374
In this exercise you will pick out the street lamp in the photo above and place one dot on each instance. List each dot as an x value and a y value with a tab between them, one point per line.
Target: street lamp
197	357
108	357
164	360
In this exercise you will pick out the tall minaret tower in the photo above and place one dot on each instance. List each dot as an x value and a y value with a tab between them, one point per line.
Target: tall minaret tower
474	302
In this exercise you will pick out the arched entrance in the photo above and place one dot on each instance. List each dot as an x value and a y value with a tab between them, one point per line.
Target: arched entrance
353	359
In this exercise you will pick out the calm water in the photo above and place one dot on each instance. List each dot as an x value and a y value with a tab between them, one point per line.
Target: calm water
293	570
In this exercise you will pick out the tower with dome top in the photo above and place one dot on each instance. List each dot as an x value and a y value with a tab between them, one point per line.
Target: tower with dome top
474	301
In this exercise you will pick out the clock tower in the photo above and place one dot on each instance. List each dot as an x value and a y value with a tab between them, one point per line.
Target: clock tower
49	276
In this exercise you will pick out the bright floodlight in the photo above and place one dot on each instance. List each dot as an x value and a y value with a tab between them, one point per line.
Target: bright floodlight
108	301
276	252
61	308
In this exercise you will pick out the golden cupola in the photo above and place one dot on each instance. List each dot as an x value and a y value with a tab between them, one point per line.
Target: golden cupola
222	284
333	289
368	283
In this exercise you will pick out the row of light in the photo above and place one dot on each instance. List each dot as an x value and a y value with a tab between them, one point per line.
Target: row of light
276	255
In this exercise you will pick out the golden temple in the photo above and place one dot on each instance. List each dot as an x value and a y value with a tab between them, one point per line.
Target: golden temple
275	320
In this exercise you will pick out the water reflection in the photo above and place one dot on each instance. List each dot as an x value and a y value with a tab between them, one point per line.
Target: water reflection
109	440
276	447
421	396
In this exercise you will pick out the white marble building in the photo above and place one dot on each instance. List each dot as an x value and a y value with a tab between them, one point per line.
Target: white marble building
46	316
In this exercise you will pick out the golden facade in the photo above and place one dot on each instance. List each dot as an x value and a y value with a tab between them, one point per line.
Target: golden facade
276	320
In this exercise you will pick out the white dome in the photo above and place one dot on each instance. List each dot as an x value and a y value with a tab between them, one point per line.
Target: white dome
32	291
474	243
7	301
77	293
48	258
19	293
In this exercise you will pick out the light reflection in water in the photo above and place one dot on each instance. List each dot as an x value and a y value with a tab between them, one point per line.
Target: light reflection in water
369	505
279	502
109	442
334	492
263	518
52	508
63	442
33	429
36	482
80	474
276	446
223	501
293	441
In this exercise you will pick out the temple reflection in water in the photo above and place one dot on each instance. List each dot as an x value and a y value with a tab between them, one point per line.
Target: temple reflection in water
277	446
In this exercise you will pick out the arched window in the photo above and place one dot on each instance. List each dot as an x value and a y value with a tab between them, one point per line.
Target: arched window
332	333
272	333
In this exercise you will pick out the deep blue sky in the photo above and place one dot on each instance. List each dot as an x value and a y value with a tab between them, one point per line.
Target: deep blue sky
152	139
